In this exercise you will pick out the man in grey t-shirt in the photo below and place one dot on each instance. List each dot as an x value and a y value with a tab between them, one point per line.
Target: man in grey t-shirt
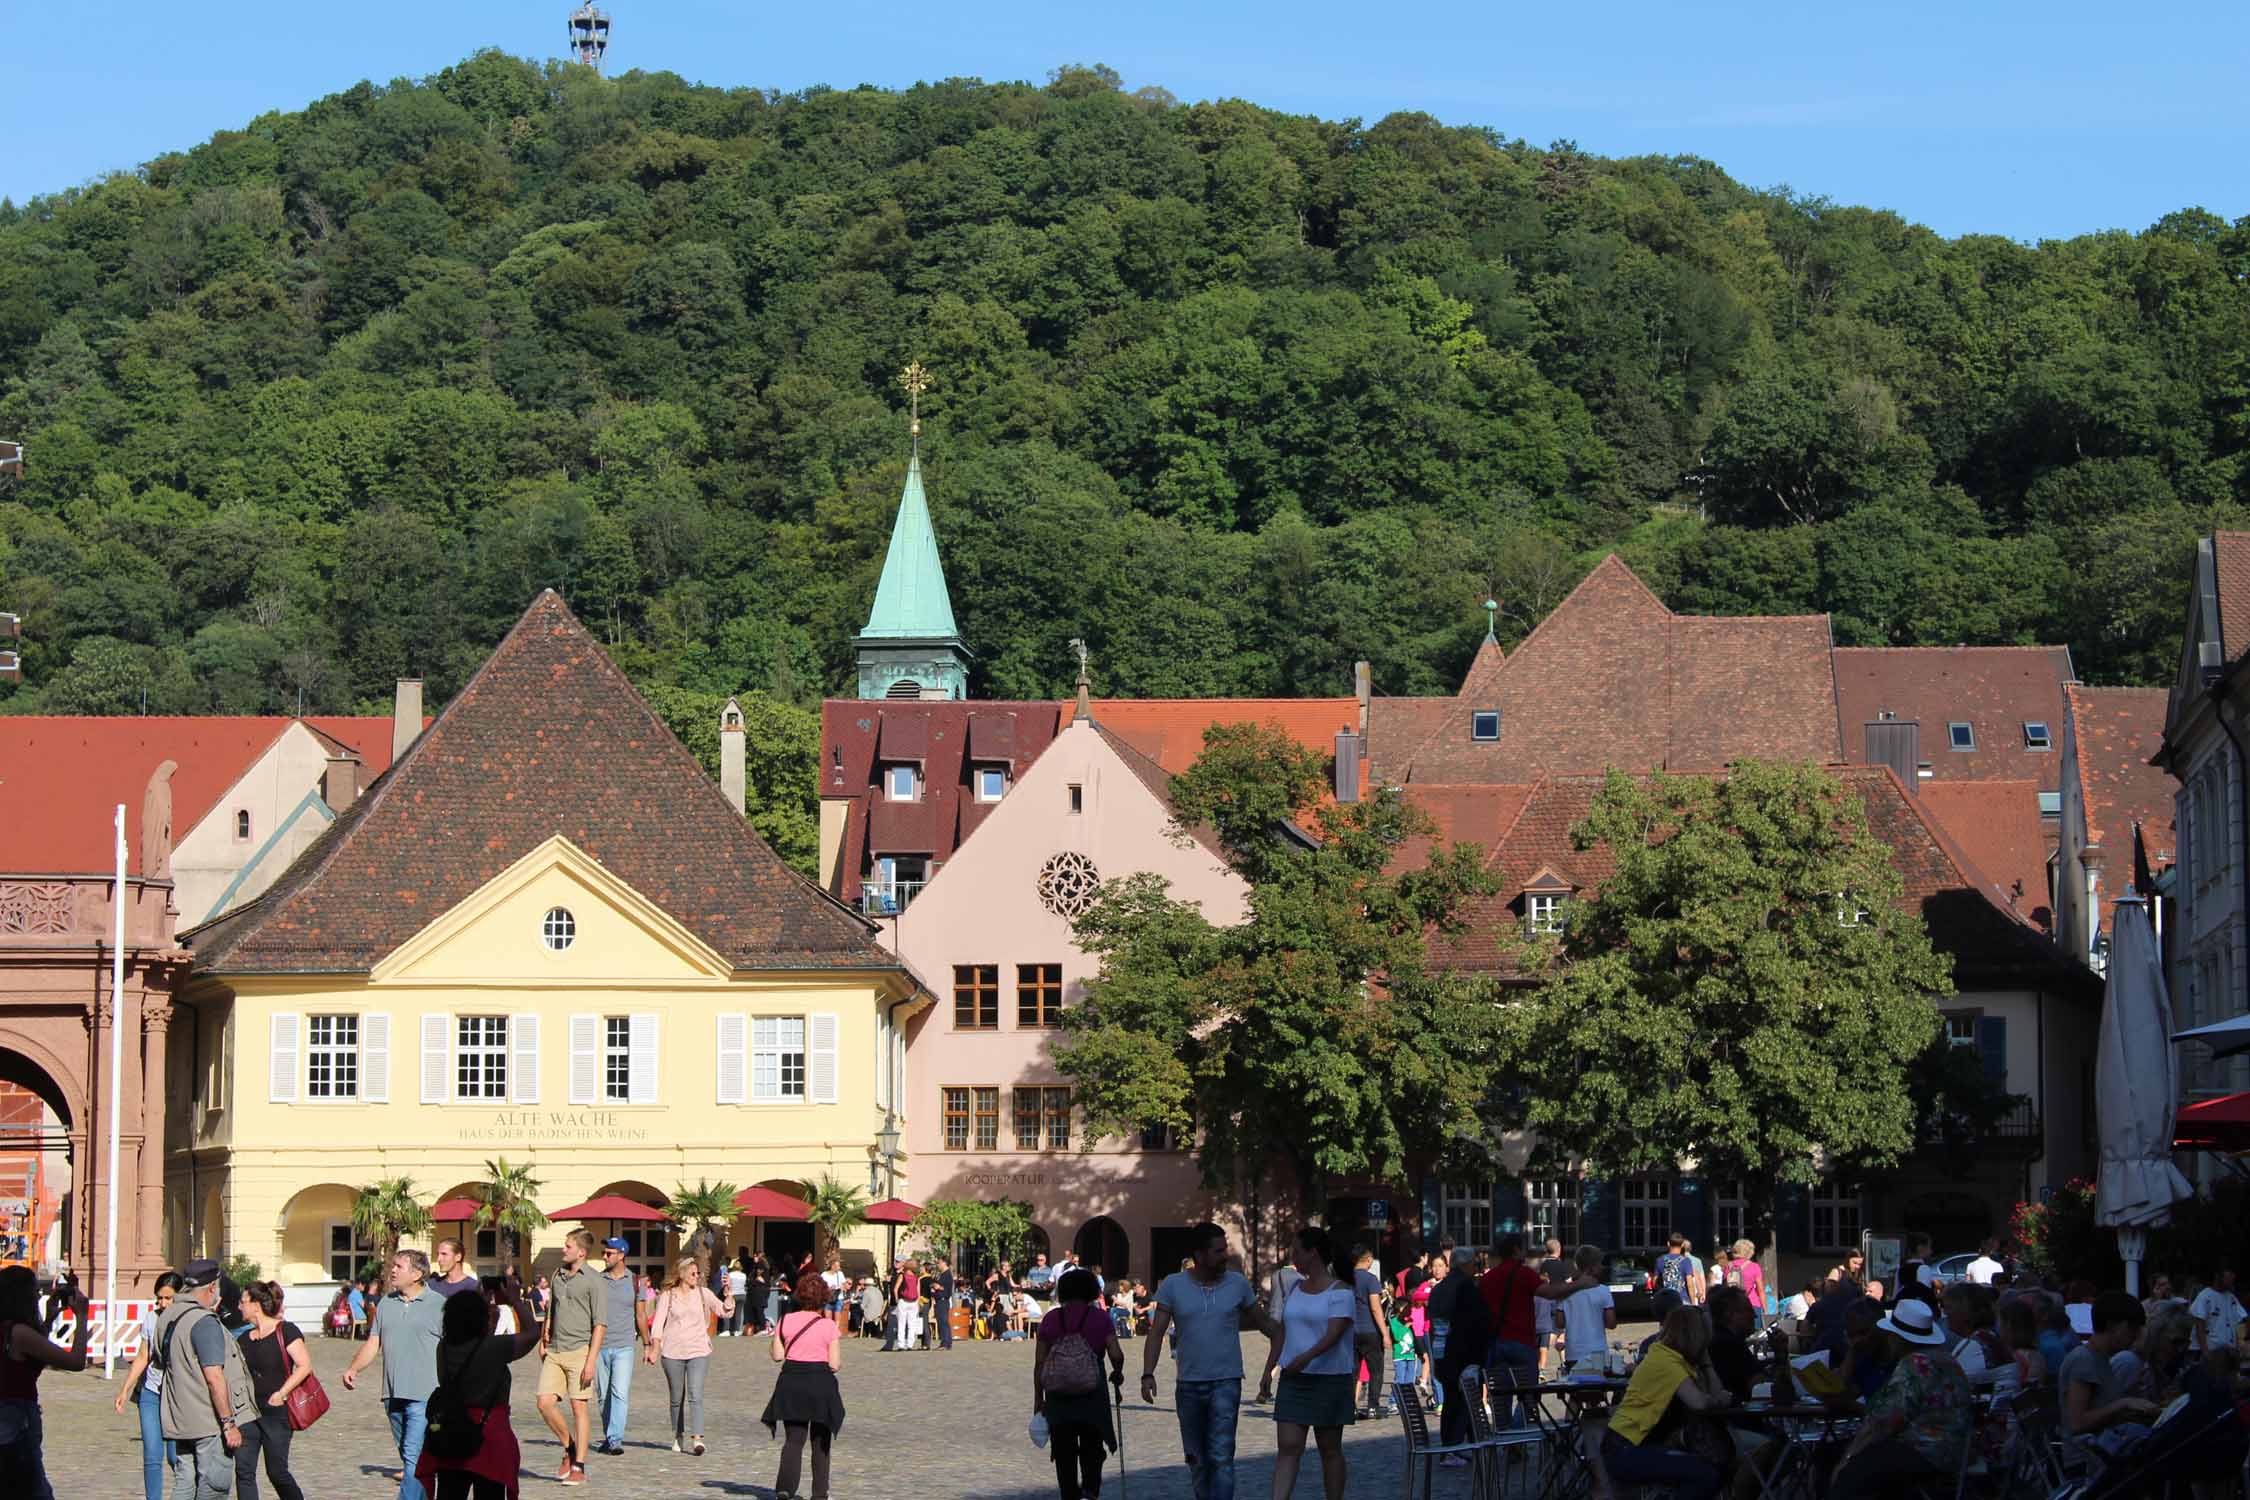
407	1325
621	1336
2094	1405
1210	1305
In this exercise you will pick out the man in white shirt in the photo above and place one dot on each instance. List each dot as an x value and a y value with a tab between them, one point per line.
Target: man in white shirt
1986	1265
2217	1312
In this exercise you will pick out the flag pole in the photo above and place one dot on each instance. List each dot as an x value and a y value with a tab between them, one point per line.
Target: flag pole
116	1093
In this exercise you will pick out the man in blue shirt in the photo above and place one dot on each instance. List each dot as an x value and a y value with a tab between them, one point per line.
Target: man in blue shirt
1210	1305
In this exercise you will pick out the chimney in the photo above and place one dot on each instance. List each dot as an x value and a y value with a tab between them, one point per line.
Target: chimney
1363	688
1897	743
406	717
339	783
734	750
1347	766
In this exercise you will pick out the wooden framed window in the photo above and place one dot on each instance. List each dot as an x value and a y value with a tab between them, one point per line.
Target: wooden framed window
988	1119
1058	1119
956	1119
1030	1118
1038	995
1648	1212
976	997
1042	1119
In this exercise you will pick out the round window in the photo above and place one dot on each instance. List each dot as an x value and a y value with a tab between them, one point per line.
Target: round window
559	930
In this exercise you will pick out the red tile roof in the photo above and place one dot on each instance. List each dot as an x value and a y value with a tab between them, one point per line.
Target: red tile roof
1994	689
856	737
1966	913
1613	678
2114	731
61	777
1482	680
548	738
1997	824
2230	551
1463	814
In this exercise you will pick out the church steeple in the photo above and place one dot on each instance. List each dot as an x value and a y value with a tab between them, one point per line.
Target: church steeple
911	647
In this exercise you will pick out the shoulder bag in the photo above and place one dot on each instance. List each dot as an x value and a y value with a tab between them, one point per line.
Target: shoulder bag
308	1403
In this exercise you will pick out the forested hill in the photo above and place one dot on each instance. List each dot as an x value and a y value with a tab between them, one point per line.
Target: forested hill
1238	396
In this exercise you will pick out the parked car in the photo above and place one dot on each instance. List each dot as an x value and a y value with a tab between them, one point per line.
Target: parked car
1631	1286
1952	1268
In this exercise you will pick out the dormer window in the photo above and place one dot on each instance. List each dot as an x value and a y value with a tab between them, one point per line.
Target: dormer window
992	783
1542	913
1961	735
902	783
2035	735
1484	724
242	825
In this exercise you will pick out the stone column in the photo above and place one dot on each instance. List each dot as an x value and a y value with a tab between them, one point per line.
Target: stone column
90	1167
156	1021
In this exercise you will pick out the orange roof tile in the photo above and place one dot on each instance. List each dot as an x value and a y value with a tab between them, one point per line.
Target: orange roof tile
1463	814
1997	824
1994	689
2114	731
2230	552
62	776
1169	731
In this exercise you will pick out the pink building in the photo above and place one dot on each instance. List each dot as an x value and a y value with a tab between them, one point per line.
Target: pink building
988	1115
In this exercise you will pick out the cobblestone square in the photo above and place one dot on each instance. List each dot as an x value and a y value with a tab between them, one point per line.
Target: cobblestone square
927	1425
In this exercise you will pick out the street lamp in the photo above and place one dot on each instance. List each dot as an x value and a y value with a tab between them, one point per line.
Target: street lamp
886	1145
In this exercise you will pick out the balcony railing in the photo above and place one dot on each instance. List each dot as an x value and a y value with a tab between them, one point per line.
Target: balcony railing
889	898
2021	1127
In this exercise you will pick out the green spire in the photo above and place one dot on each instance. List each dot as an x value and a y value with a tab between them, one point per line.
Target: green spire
911	648
911	601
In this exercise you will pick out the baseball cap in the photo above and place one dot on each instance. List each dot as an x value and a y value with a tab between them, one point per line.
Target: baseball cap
199	1273
614	1243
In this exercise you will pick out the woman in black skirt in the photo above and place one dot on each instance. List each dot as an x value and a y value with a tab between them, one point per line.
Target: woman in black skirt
806	1403
1078	1422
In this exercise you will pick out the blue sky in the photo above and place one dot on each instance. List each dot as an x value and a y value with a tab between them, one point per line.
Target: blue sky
1979	116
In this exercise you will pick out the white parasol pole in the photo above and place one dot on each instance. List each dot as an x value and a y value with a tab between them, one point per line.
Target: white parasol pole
116	1093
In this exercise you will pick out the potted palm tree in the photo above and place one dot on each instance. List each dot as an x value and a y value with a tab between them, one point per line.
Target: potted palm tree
706	1210
507	1203
385	1212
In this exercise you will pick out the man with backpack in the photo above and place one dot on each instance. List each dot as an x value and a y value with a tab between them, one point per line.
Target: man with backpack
207	1398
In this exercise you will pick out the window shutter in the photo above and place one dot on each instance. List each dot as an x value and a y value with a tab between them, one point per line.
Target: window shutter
734	1059
375	1058
281	1083
523	1046
585	1058
820	1060
643	1039
433	1059
1992	1041
882	1056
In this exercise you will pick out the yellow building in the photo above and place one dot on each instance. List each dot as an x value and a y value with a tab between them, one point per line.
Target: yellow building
544	935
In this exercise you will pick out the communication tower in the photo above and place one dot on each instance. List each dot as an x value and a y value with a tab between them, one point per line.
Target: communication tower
589	35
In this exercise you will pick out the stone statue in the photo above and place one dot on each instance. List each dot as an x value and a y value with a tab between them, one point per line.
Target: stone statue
156	823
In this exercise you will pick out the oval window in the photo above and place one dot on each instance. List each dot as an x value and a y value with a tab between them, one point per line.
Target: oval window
559	929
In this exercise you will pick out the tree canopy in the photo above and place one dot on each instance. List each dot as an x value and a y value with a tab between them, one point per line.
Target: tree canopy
1235	395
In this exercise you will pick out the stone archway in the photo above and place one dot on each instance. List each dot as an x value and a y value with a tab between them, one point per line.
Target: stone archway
1101	1241
37	1162
315	1236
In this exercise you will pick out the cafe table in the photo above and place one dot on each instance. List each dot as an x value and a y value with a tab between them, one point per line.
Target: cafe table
1806	1429
1566	1472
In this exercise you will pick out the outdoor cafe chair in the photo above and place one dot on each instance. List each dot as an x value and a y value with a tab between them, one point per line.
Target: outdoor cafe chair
1488	1474
1422	1453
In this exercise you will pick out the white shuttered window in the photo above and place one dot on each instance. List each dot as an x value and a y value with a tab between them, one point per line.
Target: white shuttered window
523	1037
281	1082
585	1059
777	1059
436	1031
375	1058
644	1054
822	1063
733	1058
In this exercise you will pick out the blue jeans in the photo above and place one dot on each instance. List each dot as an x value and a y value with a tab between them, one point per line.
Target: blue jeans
21	1454
156	1452
1207	1415
409	1420
1509	1364
1691	1478
613	1388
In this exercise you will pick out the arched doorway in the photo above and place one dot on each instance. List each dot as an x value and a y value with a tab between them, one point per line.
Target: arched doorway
648	1243
36	1167
318	1242
783	1242
1101	1243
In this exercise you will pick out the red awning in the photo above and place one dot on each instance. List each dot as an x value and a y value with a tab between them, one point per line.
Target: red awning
892	1211
2221	1124
455	1211
765	1203
610	1206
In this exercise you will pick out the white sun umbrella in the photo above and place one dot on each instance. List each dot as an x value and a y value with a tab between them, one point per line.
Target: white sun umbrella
2136	1085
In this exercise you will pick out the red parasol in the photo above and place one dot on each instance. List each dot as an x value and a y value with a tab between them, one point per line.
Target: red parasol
765	1203
892	1211
610	1206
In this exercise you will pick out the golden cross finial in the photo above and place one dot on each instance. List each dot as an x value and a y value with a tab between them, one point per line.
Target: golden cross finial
914	380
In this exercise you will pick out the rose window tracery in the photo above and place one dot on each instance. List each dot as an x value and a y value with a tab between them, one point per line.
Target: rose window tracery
1068	883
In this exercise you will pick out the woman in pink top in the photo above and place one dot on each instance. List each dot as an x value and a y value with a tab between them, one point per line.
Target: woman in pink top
679	1331
1745	1272
805	1402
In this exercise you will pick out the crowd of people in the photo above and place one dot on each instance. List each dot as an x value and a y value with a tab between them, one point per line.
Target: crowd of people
1929	1370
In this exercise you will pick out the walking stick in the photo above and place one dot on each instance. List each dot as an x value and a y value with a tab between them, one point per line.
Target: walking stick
1117	1388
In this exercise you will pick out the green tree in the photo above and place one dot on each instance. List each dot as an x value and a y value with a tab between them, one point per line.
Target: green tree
998	1228
835	1208
385	1212
1315	1027
507	1202
709	1208
1746	989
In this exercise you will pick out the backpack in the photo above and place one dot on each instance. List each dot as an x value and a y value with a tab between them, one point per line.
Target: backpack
1672	1274
1072	1369
452	1434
